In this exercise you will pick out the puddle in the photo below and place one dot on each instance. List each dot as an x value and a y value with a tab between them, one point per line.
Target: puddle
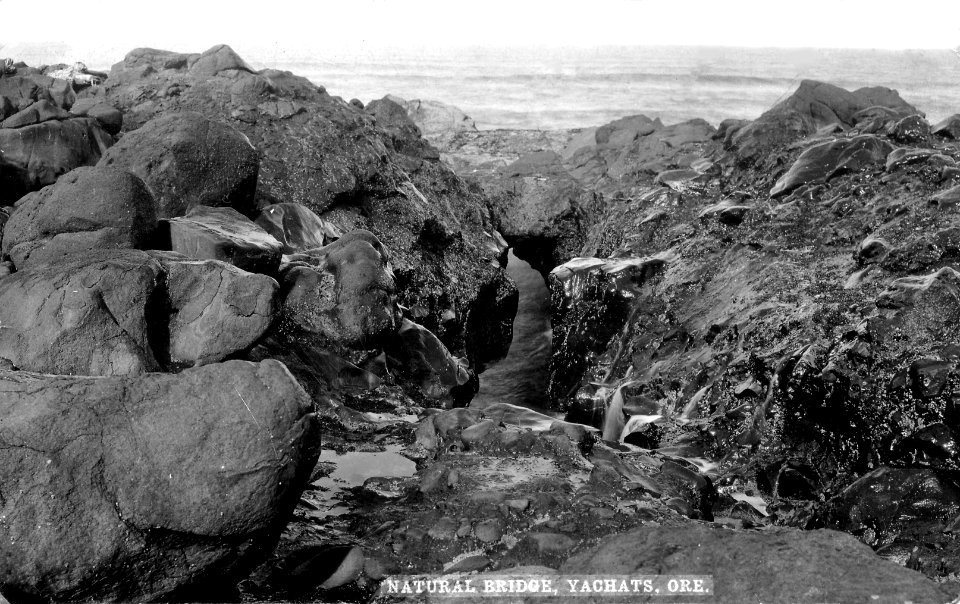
352	470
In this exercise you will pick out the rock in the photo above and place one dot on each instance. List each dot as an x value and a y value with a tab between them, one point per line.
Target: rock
151	487
342	294
109	116
188	160
872	249
948	127
404	134
822	162
488	531
421	358
87	209
438	122
726	212
207	233
215	309
903	157
911	130
776	565
34	156
812	106
296	227
23	91
41	111
218	59
84	315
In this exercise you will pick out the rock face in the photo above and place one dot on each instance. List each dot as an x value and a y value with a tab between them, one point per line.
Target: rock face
215	309
35	156
88	209
152	487
340	163
769	566
221	234
86	315
188	160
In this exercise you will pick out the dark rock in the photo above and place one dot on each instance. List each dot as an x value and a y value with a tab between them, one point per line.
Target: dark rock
911	130
216	60
403	132
84	315
154	487
109	116
872	249
421	358
296	227
823	162
778	565
215	309
948	127
726	212
904	157
188	160
87	209
206	233
342	294
41	111
35	156
23	91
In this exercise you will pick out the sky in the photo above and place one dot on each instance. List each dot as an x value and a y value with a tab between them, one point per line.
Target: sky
109	28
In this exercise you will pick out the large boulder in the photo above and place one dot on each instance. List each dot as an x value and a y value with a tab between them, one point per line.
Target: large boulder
34	156
87	209
146	488
778	565
215	309
820	163
85	315
342	294
221	234
422	359
217	59
296	227
188	160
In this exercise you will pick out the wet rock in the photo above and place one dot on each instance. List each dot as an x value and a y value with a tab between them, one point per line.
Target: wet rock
822	162
36	156
479	433
948	127
151	487
872	249
188	160
911	130
296	227
208	233
726	212
777	565
905	156
215	309
445	529
87	209
949	198
342	294
421	358
84	315
41	111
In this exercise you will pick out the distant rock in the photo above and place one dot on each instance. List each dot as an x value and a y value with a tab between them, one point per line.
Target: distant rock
84	315
215	309
149	488
88	209
34	156
911	130
216	60
188	160
948	127
207	233
822	162
296	227
777	565
438	122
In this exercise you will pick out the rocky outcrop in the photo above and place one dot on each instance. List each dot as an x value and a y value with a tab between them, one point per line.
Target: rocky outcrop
188	160
337	161
153	487
88	209
211	233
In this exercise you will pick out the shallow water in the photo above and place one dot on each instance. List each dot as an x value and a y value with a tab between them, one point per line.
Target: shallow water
351	470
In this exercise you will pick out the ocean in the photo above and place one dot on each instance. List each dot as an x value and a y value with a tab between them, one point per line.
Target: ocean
552	88
539	88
